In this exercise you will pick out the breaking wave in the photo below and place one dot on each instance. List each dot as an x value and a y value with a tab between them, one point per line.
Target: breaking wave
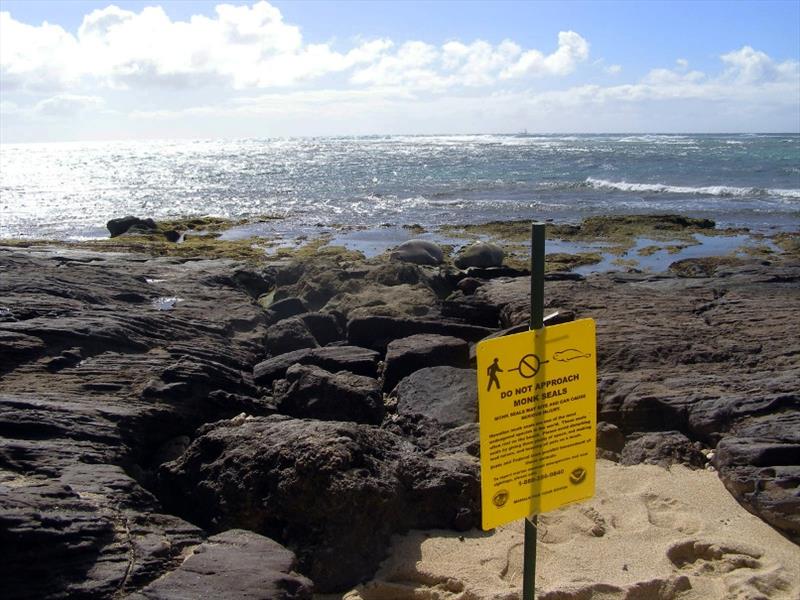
710	190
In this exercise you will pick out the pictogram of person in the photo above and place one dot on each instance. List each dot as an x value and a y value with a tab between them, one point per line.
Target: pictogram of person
492	372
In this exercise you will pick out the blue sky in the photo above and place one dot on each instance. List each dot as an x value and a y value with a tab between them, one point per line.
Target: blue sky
159	69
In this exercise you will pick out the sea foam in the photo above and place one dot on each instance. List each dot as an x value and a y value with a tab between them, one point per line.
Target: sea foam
709	190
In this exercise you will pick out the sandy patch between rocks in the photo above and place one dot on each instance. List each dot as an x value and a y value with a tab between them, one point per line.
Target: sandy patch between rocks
649	534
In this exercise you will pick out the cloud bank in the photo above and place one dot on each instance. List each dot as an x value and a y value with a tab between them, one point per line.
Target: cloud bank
246	62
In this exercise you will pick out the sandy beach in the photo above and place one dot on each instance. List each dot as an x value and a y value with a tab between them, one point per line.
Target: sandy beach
649	534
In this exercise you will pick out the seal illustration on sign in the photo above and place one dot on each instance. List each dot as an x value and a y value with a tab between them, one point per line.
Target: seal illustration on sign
500	498
570	354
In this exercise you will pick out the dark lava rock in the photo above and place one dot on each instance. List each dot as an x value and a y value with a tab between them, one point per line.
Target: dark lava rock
394	273
480	254
609	437
287	335
446	394
377	331
705	266
122	225
495	272
419	252
18	347
67	537
332	492
172	235
468	285
318	394
323	326
360	361
78	434
759	463
254	282
409	354
233	565
663	448
288	307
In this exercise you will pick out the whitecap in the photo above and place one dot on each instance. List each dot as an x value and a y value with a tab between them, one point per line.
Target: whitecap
662	188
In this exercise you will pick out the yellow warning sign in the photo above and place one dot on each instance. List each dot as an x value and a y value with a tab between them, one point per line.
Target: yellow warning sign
537	396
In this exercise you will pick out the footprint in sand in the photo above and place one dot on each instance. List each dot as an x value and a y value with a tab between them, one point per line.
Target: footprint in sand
729	570
669	513
559	527
705	558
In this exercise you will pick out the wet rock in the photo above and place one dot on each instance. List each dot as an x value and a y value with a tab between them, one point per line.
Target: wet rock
495	272
18	347
703	267
117	227
711	418
233	565
323	326
663	448
360	361
255	282
377	331
480	254
316	393
419	252
468	285
399	301
90	532
759	463
288	335
271	474
610	438
288	307
395	273
409	354
77	426
447	395
171	235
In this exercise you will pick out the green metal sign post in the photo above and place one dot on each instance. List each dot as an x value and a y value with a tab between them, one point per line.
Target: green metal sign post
537	322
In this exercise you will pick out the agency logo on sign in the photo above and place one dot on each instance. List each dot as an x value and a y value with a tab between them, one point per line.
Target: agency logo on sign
500	498
577	476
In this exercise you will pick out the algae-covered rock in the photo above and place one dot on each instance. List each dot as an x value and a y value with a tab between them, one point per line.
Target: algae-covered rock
122	225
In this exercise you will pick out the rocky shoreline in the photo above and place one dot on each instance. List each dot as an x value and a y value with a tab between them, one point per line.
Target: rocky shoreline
261	429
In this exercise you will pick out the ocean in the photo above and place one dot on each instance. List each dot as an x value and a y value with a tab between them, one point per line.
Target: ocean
69	190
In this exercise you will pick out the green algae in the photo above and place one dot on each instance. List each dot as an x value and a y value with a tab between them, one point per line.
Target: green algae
788	242
562	261
649	250
620	229
210	224
704	267
628	263
247	250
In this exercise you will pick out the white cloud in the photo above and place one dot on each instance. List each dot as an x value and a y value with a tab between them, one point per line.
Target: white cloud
7	107
750	66
572	49
67	105
246	47
37	58
243	62
478	63
243	46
